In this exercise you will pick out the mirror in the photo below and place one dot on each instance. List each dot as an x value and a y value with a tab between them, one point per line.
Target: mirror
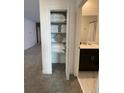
88	28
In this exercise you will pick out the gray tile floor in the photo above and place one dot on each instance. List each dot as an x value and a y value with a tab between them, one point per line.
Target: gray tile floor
36	82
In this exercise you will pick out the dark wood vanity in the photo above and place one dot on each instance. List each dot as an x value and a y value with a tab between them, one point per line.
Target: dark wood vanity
89	60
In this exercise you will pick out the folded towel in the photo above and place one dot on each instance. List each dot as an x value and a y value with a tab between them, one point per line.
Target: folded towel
58	48
57	18
63	28
54	28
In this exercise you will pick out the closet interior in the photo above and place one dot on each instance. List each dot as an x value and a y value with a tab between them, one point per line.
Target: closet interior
58	36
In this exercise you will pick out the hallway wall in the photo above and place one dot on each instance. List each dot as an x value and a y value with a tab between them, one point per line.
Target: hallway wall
45	7
29	33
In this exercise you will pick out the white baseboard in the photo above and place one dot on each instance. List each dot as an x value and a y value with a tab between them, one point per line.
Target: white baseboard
81	85
47	72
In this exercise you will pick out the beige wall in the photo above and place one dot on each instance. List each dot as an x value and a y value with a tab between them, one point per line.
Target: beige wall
85	26
91	7
97	31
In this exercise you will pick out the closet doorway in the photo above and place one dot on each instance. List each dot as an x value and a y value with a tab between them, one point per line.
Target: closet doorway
58	22
38	33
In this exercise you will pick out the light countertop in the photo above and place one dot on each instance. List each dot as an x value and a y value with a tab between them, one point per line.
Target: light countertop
87	46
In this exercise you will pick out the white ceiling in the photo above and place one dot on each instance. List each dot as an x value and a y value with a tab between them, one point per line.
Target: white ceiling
31	10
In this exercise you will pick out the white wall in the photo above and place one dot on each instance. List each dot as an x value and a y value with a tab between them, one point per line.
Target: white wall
79	4
45	7
29	33
45	37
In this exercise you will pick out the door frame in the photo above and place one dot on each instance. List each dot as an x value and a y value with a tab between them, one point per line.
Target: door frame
67	45
77	37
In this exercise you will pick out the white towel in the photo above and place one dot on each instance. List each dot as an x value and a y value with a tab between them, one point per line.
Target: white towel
54	28
63	28
57	18
58	48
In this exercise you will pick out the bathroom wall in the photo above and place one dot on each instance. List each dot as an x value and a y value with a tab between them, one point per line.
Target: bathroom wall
85	26
29	33
91	7
45	37
97	31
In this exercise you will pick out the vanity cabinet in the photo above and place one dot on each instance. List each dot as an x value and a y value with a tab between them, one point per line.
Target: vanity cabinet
89	60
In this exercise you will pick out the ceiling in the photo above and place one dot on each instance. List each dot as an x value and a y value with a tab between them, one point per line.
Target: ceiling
90	7
31	10
91	4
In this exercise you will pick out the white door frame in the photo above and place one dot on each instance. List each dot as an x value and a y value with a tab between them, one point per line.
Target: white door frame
77	35
67	46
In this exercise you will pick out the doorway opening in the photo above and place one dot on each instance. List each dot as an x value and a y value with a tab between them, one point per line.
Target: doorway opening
87	47
38	33
58	22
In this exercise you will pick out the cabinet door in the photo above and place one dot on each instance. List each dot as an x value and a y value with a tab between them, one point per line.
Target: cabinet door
85	62
94	62
95	59
89	60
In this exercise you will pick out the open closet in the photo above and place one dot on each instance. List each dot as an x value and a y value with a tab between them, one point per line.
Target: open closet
58	36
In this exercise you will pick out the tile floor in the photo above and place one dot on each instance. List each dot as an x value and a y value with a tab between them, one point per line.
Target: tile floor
88	81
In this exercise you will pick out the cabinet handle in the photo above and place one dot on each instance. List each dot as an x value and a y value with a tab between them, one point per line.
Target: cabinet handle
92	58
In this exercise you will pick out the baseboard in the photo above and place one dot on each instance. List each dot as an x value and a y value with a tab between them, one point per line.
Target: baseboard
47	72
80	85
29	46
